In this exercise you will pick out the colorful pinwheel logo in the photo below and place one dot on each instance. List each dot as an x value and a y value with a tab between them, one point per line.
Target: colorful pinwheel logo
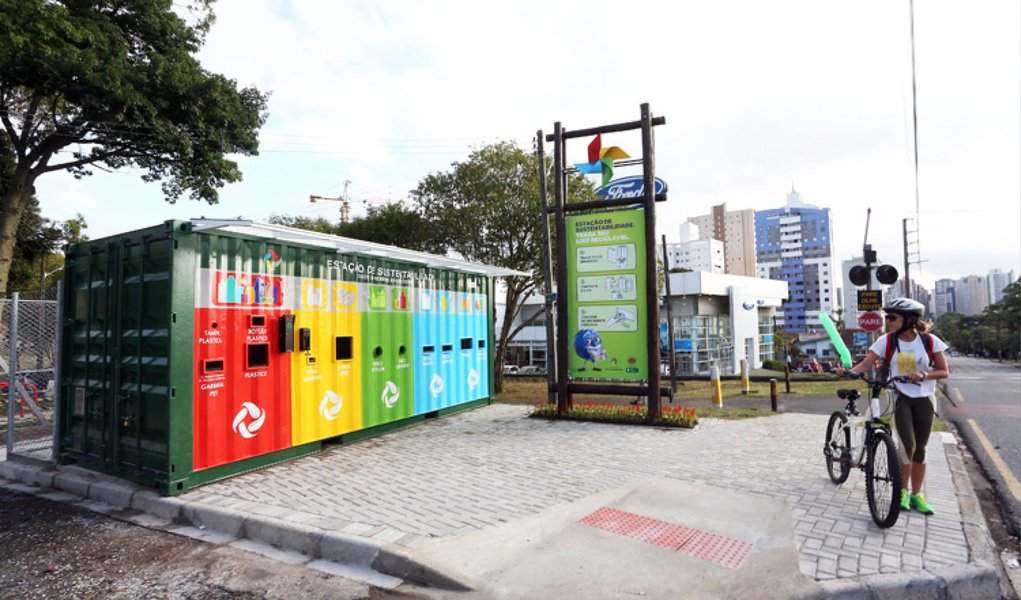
601	159
272	261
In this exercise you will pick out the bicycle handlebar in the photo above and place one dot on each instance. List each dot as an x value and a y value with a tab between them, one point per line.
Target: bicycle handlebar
889	382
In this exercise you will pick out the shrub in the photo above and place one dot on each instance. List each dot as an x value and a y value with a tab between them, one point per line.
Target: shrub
773	365
673	416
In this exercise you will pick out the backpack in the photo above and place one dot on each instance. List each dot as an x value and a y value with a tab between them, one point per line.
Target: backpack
891	348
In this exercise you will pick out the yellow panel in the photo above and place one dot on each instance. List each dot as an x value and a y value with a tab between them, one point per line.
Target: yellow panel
326	399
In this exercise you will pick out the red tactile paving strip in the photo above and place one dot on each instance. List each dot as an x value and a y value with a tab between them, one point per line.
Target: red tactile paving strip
717	549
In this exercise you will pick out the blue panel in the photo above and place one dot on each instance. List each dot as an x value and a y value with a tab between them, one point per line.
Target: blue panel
447	326
427	353
465	346
435	330
480	330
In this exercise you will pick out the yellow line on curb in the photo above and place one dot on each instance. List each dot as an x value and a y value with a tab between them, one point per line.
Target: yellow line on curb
1008	477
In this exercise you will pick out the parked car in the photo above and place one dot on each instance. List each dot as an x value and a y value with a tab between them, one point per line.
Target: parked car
531	370
510	369
808	365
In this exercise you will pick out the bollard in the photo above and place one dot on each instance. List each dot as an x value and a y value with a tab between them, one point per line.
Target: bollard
714	380
787	377
746	383
772	394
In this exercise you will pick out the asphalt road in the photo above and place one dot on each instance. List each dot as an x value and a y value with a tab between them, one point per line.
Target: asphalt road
986	408
57	550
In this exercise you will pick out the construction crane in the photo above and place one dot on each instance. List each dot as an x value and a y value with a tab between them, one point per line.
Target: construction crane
345	207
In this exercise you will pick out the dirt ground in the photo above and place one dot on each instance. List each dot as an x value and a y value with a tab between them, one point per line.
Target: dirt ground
55	550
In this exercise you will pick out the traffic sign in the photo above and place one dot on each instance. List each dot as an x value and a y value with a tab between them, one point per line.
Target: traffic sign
870	299
870	321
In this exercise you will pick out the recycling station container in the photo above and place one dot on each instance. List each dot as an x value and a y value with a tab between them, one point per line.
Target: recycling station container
196	350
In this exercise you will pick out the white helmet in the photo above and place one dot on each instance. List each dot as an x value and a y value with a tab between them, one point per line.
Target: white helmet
905	306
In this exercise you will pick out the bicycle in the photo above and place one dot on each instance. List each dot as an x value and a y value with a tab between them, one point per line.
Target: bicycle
875	452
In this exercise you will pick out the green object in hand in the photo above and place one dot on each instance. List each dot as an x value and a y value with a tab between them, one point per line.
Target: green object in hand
838	343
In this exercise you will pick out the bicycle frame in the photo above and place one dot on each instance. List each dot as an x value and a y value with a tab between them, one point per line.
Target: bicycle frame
864	425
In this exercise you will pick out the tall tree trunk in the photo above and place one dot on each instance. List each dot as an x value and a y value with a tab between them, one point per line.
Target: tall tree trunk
16	197
511	301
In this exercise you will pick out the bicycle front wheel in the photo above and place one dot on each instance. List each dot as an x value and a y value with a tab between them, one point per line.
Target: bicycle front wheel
882	480
837	450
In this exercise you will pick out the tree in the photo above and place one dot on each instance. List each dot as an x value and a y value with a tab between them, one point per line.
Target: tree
487	209
317	224
96	84
37	256
390	224
395	225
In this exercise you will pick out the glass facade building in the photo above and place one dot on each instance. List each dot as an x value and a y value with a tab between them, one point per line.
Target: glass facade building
793	244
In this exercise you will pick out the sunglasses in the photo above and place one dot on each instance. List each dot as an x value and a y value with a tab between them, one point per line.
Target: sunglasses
891	317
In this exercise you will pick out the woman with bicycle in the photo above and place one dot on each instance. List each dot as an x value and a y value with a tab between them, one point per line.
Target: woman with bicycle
910	350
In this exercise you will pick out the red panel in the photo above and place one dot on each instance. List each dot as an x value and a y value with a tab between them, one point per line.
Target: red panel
241	410
710	547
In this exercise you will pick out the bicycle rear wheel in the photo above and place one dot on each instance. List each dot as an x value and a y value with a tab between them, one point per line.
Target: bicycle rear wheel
837	450
882	480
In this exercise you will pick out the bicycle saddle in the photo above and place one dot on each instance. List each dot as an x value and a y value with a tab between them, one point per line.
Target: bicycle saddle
848	394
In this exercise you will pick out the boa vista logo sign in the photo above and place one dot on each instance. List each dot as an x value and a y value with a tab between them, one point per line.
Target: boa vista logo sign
600	160
629	187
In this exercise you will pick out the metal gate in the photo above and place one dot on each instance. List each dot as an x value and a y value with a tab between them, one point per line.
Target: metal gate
28	373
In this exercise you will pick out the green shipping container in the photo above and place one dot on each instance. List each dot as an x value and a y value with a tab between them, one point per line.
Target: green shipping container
176	363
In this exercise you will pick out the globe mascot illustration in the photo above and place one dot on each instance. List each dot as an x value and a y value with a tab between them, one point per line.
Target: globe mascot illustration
589	346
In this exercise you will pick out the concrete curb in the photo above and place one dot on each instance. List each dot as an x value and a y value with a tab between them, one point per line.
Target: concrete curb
314	543
963	581
976	532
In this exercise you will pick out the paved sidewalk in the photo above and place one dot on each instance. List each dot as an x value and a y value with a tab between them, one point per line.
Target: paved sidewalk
406	505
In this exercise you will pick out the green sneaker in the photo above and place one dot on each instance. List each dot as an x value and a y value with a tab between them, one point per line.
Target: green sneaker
918	502
905	499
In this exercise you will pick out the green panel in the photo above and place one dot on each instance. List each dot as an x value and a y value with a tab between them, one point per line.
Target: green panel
387	365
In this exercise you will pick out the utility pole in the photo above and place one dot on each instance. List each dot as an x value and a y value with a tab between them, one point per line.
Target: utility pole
345	207
907	263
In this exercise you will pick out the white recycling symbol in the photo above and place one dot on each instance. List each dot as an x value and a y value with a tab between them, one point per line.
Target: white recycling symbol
390	394
330	405
247	429
436	385
473	378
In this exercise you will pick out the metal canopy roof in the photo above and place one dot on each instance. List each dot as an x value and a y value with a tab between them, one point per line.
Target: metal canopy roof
346	245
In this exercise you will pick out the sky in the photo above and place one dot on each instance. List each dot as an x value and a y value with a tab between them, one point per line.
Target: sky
759	98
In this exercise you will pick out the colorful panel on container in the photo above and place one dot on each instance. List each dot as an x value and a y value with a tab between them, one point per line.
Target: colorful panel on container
326	366
388	384
283	360
242	386
435	331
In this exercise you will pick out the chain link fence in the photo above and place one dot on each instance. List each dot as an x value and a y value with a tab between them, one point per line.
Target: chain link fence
28	359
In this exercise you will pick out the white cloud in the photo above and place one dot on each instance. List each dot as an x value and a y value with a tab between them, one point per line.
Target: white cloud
757	95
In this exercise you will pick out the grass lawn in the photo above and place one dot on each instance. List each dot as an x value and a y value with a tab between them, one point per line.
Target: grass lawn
533	391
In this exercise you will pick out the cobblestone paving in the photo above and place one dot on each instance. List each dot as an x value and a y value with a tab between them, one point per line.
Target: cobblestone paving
488	466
